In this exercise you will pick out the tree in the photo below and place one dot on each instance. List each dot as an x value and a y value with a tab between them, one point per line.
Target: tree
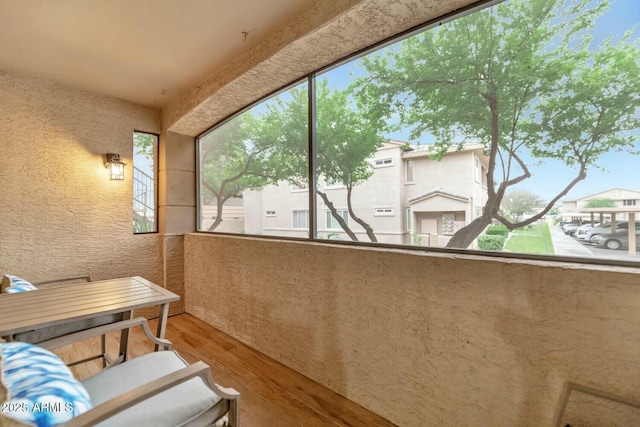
238	156
143	144
518	203
346	139
523	78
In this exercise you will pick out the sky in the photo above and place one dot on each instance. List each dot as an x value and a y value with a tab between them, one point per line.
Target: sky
613	169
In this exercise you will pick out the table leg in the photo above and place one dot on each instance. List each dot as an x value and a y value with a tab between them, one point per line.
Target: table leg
162	323
124	336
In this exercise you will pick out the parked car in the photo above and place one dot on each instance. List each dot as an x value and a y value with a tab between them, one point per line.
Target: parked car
606	229
570	228
617	240
581	232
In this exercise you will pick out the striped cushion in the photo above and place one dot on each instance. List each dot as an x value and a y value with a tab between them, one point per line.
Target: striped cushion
40	388
13	284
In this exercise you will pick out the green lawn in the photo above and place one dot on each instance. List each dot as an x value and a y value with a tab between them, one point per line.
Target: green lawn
534	240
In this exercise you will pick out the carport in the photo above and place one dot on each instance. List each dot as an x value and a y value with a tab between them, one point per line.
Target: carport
631	212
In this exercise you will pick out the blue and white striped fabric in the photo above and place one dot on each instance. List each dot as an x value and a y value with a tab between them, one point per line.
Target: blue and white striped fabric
17	284
41	389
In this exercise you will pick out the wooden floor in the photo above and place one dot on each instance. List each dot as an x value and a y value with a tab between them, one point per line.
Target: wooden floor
272	394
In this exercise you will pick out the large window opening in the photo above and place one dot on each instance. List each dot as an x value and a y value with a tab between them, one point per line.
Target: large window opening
145	154
257	158
512	124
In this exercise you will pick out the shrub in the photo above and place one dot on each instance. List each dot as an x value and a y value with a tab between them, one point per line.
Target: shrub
491	243
497	231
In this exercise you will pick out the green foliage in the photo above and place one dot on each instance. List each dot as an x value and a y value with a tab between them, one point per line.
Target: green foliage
532	240
143	144
143	225
600	203
497	231
238	156
518	203
523	78
252	151
346	140
491	243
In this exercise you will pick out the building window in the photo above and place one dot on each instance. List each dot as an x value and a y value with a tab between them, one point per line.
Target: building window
382	163
332	223
411	164
270	213
301	219
384	212
300	186
145	154
408	219
630	202
331	184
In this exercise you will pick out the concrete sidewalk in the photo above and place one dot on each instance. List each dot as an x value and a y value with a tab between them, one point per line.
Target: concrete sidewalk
563	244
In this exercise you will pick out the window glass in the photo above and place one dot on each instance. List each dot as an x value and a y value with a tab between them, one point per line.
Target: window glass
383	162
145	149
384	211
336	220
517	125
410	170
258	158
531	106
301	219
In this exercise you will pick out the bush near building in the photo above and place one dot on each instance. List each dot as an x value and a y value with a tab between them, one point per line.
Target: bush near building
497	231
491	242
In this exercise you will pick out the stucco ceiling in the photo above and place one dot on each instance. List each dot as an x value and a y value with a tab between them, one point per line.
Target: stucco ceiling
144	51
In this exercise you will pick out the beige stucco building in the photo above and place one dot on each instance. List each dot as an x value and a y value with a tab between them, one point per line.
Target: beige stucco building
624	201
409	199
419	337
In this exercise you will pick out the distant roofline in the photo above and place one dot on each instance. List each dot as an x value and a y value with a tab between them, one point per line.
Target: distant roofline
427	149
575	199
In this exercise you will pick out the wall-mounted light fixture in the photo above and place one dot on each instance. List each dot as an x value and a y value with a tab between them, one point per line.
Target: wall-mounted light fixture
115	166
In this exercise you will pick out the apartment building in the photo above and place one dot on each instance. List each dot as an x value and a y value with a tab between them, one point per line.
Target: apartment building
620	201
410	198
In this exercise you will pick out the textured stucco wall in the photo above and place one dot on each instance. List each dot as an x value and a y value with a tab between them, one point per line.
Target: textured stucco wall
424	339
60	215
322	34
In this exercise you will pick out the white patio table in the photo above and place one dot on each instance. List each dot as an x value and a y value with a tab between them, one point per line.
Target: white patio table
27	311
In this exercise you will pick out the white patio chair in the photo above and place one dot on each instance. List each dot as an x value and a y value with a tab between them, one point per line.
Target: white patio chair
159	389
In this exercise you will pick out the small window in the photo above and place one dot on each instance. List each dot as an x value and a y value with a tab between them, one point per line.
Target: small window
332	223
270	213
381	163
411	165
145	152
408	219
300	186
384	212
301	219
629	202
329	183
